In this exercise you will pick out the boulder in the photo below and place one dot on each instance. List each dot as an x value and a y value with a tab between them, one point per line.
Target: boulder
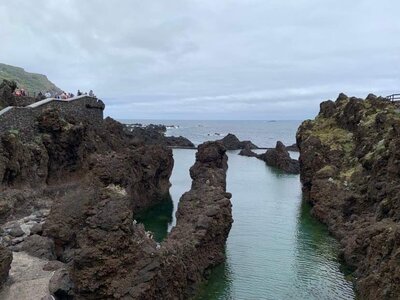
15	230
179	142
61	285
36	229
155	134
5	263
53	265
247	152
280	158
231	142
39	246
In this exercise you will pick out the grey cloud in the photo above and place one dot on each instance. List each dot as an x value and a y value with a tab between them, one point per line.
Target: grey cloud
207	59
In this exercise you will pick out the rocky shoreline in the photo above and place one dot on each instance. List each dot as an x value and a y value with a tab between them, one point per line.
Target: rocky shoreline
349	159
277	157
69	197
155	134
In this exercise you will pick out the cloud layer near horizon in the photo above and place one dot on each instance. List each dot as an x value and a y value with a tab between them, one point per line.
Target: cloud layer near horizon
202	59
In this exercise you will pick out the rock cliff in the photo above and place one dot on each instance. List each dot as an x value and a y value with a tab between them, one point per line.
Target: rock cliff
70	195
350	171
51	170
110	256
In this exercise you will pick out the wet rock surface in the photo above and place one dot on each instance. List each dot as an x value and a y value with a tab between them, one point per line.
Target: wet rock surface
280	158
350	166
231	142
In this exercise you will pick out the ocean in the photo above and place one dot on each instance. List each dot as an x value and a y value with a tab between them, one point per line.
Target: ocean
262	133
276	249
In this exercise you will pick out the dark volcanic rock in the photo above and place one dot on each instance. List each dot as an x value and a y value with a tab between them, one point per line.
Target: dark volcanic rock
5	263
36	229
39	246
231	142
61	285
112	257
155	135
280	158
7	97
179	142
64	150
95	177
16	231
350	166
293	148
247	152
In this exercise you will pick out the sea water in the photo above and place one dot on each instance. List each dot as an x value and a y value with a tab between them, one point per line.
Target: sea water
275	249
264	134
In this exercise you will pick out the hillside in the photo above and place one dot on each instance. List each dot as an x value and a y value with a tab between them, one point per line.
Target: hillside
31	82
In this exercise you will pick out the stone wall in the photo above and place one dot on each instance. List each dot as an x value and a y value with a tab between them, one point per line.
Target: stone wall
22	119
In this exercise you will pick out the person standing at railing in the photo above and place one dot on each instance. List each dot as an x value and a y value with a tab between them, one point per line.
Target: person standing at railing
91	94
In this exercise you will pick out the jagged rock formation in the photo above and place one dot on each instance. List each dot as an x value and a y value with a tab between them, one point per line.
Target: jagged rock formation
350	171
231	142
278	157
112	257
248	152
293	148
155	134
49	164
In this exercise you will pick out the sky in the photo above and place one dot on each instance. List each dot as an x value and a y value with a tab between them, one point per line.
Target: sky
208	59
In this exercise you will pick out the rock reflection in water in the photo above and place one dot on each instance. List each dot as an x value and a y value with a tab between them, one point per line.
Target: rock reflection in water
158	218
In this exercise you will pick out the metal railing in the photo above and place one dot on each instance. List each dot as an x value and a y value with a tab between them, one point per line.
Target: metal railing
393	97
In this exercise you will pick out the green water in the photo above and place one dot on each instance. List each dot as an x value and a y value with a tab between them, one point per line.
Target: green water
158	218
275	249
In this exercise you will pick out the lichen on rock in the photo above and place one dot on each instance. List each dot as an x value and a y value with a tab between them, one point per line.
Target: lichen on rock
350	171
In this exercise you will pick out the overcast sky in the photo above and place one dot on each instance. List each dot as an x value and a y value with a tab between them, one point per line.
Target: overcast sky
207	59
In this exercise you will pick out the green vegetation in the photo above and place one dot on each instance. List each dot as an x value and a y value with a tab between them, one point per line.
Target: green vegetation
330	134
348	173
31	82
14	132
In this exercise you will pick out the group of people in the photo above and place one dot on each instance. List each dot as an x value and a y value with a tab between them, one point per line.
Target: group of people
91	94
63	95
20	92
42	96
